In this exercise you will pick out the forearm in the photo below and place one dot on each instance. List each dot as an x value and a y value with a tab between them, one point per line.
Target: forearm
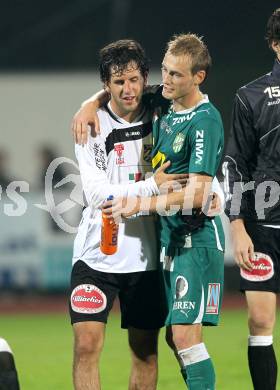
237	225
97	192
185	199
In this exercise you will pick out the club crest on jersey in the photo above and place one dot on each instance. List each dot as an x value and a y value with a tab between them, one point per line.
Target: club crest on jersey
213	298
178	142
89	299
147	153
119	148
263	268
181	287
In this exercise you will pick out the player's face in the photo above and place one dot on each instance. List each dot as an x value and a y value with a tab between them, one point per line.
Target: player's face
179	84
126	90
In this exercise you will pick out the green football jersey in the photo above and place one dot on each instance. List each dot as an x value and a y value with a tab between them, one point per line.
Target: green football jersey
192	140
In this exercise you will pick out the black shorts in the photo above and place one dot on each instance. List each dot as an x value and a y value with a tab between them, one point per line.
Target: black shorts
93	293
266	273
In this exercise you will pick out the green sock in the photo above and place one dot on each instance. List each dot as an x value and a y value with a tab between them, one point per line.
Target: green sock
199	376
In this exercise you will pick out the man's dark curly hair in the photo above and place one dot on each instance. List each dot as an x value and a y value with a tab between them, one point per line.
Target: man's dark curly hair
273	27
115	57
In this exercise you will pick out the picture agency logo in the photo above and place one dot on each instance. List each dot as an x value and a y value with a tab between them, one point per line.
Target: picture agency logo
60	203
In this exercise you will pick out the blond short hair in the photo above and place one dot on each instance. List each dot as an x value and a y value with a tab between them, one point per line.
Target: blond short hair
191	46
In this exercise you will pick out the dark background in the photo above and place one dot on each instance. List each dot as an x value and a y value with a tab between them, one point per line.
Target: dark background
65	35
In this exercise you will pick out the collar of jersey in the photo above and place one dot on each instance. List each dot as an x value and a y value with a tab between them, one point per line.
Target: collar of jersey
188	110
121	120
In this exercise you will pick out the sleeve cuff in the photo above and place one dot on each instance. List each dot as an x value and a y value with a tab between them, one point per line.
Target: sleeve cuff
153	186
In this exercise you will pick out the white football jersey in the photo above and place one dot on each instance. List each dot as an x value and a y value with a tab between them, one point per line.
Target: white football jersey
115	163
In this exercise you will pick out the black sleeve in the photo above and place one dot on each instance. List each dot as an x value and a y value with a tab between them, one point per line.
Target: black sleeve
240	160
153	99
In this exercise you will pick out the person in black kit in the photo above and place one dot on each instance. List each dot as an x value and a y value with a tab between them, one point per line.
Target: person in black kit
252	186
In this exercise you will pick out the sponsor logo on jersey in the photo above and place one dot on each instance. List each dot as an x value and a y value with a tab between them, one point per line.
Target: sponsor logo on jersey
199	145
273	102
263	268
213	298
89	299
147	153
181	287
132	133
178	142
183	118
135	176
99	155
119	148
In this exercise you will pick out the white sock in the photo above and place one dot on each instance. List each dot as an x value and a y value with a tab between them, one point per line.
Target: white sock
194	354
260	341
4	346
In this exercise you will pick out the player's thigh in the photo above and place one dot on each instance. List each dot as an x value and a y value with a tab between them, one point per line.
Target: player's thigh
92	294
141	300
261	311
195	284
183	287
265	275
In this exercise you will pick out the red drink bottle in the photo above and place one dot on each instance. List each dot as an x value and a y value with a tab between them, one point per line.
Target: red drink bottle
109	234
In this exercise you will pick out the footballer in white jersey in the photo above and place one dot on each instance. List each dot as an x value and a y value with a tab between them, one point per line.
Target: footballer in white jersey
116	163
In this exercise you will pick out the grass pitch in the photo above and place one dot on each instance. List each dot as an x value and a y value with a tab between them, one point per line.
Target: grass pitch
43	348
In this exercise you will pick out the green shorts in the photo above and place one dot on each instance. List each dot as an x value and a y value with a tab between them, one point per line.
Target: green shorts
193	283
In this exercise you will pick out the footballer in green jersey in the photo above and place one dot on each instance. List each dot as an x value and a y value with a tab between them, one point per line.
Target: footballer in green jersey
192	140
190	136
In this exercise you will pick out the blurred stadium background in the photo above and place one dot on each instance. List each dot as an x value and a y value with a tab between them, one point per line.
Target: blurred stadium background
48	65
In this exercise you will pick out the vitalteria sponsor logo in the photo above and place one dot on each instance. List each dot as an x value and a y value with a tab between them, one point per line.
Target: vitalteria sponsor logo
199	144
87	298
178	142
262	270
213	298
